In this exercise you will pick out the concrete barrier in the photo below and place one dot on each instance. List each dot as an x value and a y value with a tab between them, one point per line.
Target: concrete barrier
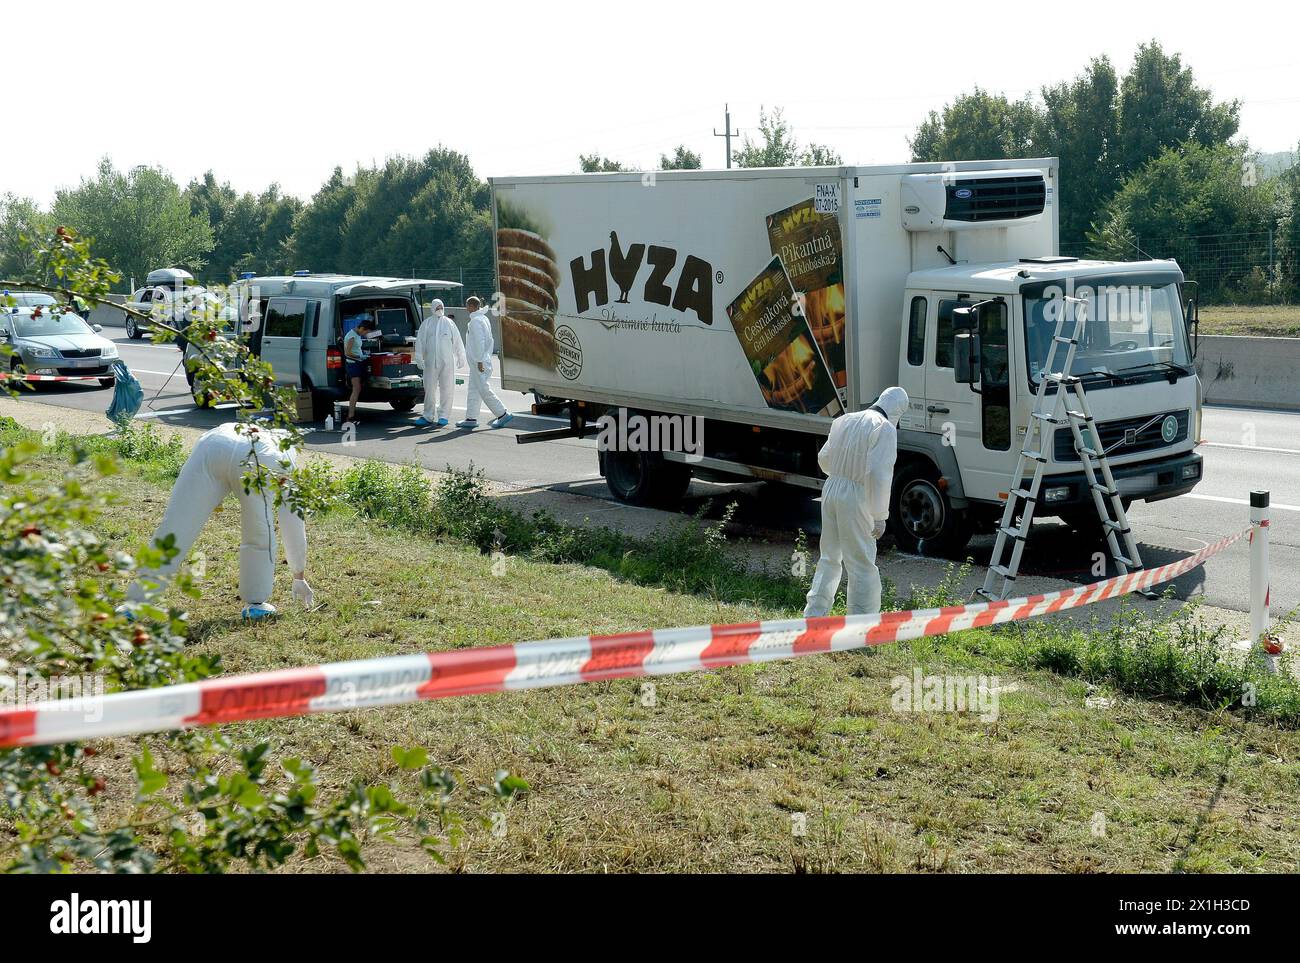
108	316
1256	372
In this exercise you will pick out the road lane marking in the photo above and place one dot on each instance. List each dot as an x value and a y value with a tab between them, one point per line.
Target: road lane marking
1224	444
1239	501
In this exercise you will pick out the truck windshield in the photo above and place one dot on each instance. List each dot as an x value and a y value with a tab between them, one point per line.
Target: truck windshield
1129	326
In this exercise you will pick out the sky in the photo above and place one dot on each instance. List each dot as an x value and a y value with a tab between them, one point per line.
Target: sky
285	91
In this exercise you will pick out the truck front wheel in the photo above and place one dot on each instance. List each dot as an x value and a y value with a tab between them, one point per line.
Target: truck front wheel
922	518
644	478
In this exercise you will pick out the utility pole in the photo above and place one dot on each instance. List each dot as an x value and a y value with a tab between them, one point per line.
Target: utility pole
728	133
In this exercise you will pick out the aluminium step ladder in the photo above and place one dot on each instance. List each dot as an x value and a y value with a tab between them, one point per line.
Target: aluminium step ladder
1068	405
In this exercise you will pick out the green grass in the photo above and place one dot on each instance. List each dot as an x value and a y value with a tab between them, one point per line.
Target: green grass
712	775
1274	320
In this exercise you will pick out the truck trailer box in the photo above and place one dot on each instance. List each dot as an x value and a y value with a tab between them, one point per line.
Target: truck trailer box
767	296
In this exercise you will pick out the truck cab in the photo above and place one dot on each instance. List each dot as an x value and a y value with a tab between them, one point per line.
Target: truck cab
961	437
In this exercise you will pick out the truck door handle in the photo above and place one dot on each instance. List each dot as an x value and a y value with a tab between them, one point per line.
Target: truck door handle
936	409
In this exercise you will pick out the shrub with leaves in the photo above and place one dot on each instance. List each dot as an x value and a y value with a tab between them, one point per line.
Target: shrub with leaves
217	805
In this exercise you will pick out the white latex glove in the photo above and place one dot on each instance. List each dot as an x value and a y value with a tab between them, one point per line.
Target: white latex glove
303	592
878	530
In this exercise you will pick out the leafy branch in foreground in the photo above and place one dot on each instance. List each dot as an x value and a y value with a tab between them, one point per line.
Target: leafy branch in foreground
212	806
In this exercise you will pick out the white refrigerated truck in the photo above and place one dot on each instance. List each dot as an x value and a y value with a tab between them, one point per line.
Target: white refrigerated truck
763	302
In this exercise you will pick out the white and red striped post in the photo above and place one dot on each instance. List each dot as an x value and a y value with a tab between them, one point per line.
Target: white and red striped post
1261	641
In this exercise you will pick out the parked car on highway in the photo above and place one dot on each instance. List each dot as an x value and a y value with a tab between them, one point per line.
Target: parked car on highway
164	290
55	344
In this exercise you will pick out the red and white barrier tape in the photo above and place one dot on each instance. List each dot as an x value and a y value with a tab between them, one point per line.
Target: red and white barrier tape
41	377
530	665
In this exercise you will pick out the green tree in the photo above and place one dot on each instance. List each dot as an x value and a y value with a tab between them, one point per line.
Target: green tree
977	126
250	232
276	214
681	159
596	164
1287	255
139	220
213	805
22	222
1160	105
1102	128
233	220
1079	123
1181	202
320	227
777	146
415	214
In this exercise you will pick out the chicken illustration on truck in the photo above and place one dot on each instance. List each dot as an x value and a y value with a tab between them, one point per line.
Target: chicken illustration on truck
765	302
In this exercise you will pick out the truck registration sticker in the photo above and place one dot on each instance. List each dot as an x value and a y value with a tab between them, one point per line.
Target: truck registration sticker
826	199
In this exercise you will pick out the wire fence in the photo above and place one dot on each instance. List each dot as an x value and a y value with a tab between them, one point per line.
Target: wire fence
1228	268
477	281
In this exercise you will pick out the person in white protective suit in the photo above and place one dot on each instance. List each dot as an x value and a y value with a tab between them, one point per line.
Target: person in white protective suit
439	352
478	346
214	470
858	459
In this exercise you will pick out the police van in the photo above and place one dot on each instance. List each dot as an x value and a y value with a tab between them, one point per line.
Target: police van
296	325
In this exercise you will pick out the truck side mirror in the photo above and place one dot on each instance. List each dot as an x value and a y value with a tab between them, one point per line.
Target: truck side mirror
966	345
966	358
1194	319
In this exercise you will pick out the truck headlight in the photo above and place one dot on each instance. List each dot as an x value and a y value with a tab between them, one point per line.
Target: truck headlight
1057	494
1192	471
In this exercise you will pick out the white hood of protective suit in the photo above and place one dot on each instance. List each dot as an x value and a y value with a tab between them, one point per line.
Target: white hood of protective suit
861	450
893	402
436	306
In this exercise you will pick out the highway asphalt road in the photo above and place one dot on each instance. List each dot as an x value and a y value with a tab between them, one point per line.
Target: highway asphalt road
1244	449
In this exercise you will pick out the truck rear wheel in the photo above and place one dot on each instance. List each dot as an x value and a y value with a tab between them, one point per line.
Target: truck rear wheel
922	518
644	478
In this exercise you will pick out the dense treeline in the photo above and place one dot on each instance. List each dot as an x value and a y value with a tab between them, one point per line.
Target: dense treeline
1149	162
407	216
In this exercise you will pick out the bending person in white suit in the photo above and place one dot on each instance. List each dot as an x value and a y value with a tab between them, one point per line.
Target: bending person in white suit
214	470
858	459
439	351
478	346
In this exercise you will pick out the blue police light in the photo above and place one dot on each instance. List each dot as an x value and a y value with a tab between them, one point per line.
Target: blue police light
247	275
301	274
